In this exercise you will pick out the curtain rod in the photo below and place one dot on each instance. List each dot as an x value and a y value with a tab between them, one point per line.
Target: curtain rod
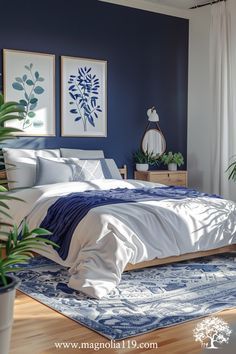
208	3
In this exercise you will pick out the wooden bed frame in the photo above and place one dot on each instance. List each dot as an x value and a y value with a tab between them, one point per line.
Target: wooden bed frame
167	260
183	257
123	171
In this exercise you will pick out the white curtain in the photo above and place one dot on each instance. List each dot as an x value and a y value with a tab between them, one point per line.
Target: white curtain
223	84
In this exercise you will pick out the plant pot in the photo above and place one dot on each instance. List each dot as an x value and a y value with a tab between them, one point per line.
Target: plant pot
7	297
172	167
142	166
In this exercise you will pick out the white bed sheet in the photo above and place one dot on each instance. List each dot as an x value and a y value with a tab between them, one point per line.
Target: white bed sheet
111	236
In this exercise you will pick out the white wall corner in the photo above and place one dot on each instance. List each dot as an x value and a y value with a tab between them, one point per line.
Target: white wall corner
199	98
150	6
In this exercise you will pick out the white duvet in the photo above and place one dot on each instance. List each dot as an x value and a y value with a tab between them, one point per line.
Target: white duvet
109	237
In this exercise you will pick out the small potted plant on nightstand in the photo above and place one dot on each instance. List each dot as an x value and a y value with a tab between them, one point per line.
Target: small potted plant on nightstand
15	246
172	160
145	159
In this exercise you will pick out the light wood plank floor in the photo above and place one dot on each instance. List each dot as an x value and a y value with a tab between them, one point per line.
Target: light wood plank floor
36	329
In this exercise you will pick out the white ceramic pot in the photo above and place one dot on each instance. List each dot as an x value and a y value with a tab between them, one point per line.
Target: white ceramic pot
142	166
7	297
172	167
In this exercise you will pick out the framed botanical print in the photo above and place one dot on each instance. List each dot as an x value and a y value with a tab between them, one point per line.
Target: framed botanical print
29	78
83	97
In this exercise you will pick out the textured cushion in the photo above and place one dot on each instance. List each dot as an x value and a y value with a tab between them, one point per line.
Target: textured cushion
21	165
89	170
110	169
82	154
56	170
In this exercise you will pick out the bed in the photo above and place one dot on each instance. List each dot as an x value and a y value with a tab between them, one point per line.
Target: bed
142	224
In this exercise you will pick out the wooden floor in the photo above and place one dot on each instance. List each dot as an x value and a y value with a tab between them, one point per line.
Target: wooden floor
36	329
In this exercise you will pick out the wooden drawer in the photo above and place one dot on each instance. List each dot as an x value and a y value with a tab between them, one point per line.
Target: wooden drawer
170	178
3	177
3	174
175	179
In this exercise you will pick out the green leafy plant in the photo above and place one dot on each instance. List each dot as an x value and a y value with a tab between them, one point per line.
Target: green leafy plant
232	171
145	157
171	157
18	248
9	111
15	246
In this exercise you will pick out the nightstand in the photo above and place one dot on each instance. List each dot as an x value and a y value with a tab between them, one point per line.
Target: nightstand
3	178
170	178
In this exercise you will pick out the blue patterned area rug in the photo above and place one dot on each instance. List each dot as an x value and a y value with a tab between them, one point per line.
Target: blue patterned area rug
145	300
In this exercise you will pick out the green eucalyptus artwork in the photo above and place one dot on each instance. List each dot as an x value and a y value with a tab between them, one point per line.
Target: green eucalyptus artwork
30	86
28	79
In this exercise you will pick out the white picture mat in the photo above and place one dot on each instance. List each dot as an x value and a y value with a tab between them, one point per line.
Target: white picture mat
69	127
14	66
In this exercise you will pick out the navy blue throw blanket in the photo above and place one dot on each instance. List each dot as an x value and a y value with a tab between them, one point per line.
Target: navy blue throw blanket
65	214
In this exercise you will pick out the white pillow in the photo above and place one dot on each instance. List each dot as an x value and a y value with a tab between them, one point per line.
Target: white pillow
57	170
21	165
82	154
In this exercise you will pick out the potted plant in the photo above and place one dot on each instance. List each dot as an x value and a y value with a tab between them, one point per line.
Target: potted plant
172	160
144	159
15	247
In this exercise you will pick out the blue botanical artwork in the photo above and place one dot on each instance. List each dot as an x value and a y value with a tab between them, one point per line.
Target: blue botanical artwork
30	84
84	97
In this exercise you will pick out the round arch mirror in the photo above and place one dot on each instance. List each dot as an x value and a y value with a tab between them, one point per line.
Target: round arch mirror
154	142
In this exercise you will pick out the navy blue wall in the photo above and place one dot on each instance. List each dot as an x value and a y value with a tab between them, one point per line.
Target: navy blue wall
147	58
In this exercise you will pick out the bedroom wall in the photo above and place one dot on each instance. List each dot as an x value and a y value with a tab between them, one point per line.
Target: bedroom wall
199	98
199	125
147	56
